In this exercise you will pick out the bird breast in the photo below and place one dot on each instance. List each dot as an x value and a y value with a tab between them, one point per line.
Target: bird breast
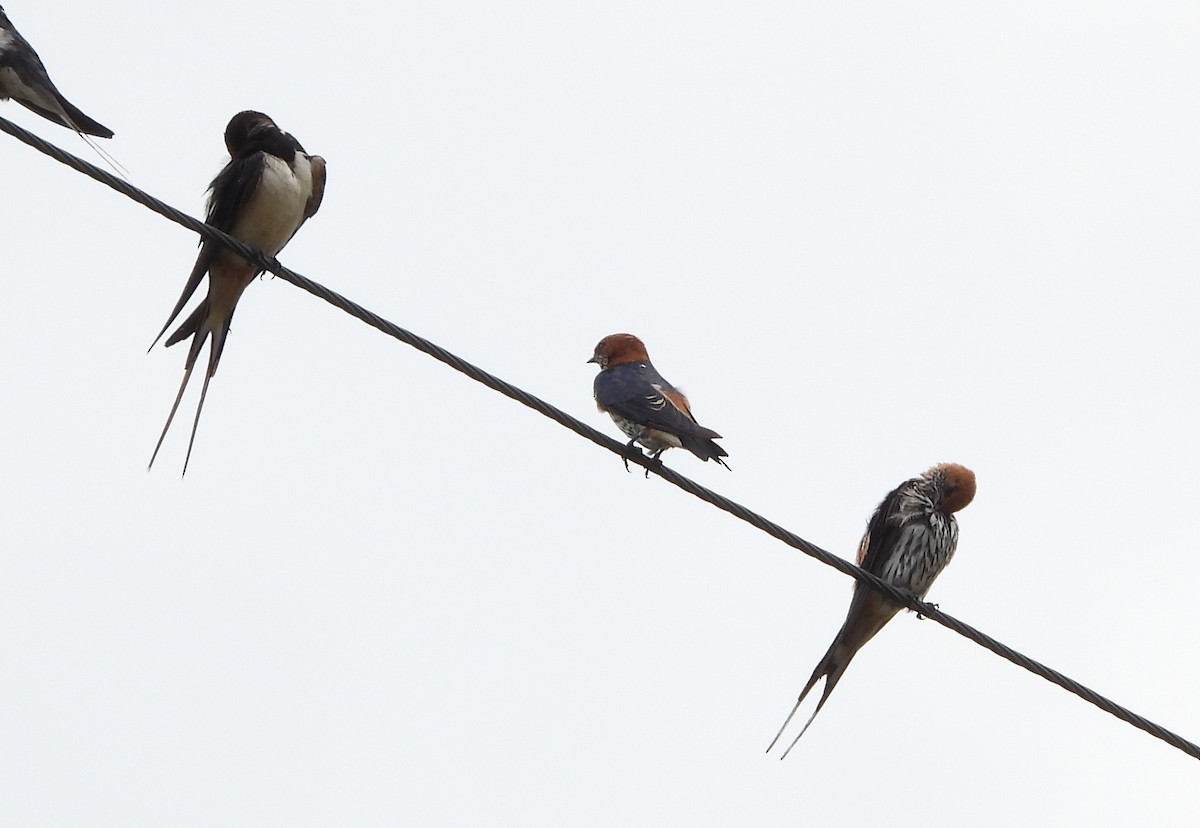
276	209
651	438
923	548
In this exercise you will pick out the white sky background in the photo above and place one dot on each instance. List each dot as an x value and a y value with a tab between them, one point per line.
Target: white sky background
864	240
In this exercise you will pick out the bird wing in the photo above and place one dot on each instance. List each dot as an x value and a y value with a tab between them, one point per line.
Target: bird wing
232	188
318	186
229	193
883	532
639	394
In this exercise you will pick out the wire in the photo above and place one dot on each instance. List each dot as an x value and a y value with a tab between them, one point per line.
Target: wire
627	452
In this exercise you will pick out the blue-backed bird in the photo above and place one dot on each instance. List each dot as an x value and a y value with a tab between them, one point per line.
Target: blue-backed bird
647	408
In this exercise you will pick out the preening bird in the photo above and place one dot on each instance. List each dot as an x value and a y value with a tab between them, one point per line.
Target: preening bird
647	408
269	188
909	540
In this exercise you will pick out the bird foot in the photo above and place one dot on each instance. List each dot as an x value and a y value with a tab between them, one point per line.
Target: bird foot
655	462
631	450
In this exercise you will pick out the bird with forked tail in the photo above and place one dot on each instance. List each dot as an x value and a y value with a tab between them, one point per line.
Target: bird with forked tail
909	540
269	188
24	79
647	408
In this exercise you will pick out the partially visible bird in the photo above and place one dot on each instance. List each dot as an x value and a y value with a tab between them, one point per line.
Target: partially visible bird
269	188
23	78
909	540
645	406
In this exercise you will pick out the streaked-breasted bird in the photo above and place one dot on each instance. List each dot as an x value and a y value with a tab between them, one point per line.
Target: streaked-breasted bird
23	78
269	188
647	408
909	540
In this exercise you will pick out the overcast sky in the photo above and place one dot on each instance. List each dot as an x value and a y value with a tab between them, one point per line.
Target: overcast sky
864	237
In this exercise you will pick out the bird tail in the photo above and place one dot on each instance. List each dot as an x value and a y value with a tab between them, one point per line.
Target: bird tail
701	444
187	375
82	123
197	326
869	611
67	114
830	668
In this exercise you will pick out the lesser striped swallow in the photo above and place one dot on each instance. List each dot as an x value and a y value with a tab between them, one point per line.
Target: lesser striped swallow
909	540
23	78
269	188
647	408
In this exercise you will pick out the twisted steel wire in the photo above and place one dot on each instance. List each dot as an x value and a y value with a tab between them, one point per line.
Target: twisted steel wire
625	451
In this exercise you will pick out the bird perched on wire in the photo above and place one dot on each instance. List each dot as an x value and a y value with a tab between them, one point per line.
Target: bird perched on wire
269	188
909	540
23	78
645	406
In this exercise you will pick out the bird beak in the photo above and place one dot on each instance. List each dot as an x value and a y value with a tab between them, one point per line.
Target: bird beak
594	359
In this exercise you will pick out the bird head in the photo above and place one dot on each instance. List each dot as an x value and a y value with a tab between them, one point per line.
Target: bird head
618	349
956	484
251	131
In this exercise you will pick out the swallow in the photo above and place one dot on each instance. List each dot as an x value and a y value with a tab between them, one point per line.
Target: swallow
23	78
909	540
269	188
647	408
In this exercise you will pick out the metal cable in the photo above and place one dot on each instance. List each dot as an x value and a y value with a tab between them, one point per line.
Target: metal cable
629	453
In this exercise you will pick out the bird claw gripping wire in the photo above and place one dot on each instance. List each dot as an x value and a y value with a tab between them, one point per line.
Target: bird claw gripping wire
631	450
655	462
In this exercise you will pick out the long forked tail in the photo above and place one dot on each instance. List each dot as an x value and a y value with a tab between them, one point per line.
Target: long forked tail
208	375
868	613
78	121
214	359
61	111
187	375
197	324
830	668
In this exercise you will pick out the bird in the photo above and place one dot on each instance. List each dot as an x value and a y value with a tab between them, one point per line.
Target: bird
23	78
269	188
647	408
909	540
